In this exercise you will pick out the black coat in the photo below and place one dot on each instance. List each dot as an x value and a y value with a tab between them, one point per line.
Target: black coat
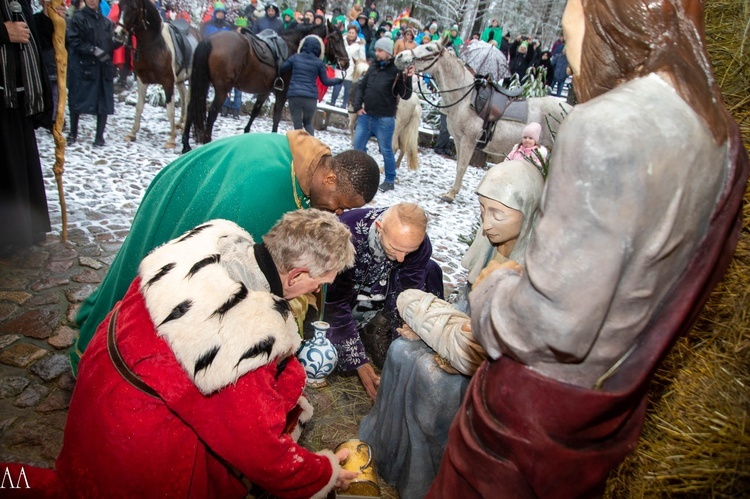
380	88
90	81
519	62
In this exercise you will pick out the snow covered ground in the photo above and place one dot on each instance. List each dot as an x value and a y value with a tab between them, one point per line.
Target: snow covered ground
103	186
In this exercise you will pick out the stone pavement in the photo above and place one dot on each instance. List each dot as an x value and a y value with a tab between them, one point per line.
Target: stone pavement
40	292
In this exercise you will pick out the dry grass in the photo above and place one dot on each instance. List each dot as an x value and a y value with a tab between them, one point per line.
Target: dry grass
696	439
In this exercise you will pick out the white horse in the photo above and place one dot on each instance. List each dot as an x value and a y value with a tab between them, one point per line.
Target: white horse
155	60
406	131
455	82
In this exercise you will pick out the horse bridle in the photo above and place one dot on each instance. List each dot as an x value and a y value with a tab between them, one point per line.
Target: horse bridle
434	58
336	58
141	20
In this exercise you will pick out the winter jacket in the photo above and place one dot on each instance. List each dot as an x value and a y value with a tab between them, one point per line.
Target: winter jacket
291	23
305	67
215	25
225	376
275	23
519	62
369	273
527	154
380	88
90	80
492	33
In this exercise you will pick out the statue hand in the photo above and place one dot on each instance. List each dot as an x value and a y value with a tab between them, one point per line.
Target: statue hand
493	266
407	332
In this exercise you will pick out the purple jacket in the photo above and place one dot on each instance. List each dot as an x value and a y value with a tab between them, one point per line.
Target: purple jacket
380	277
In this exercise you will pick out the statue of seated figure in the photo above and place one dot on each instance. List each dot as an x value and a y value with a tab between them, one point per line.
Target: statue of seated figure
421	390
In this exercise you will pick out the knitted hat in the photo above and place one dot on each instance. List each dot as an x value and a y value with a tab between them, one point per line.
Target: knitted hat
385	44
218	6
454	27
533	130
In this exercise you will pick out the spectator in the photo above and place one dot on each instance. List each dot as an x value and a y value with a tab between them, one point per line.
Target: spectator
233	102
405	43
493	32
375	102
252	12
309	16
521	54
372	12
270	20
529	149
90	70
23	202
560	73
355	47
287	18
303	90
364	29
380	33
455	40
546	63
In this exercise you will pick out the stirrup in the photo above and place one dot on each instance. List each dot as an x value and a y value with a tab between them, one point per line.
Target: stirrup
439	325
278	84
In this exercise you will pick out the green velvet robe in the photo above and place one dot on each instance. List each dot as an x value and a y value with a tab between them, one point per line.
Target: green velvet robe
246	179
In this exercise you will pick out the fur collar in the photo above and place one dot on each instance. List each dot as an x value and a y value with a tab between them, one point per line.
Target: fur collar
220	323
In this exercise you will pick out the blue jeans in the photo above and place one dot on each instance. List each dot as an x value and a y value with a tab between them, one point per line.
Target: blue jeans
382	129
347	84
237	103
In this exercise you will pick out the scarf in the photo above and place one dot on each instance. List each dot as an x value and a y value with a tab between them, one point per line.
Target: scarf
30	71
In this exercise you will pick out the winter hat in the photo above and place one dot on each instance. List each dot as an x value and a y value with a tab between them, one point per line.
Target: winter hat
218	6
533	130
433	26
454	27
385	44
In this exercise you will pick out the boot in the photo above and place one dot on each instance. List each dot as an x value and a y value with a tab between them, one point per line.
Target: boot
440	325
224	111
101	122
73	134
236	113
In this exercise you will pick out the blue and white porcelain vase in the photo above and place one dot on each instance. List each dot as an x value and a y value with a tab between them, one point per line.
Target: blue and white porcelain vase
318	356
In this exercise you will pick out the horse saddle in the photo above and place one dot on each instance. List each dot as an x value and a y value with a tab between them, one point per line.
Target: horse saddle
270	48
184	43
493	102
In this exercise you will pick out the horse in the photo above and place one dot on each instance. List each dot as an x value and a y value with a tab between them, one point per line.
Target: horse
406	131
228	60
155	59
457	85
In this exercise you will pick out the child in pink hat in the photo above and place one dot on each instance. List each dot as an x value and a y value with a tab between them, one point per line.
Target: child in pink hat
525	150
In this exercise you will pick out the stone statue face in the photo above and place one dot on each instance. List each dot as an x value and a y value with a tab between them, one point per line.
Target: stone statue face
573	23
500	224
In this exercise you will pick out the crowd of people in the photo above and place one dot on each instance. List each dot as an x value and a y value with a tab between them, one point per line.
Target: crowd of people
542	364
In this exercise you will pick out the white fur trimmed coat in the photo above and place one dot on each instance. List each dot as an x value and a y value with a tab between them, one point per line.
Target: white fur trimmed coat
200	328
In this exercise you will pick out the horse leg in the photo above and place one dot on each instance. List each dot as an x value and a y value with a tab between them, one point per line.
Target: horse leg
142	87
169	93
464	150
184	96
400	157
213	112
278	107
260	99
186	135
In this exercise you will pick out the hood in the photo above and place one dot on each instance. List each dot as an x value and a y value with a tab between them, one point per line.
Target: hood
306	149
288	12
220	323
312	44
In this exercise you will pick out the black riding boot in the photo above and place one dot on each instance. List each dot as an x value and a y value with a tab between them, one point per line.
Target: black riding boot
73	134
101	122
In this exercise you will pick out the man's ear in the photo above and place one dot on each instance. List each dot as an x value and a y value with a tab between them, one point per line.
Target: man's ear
330	179
294	274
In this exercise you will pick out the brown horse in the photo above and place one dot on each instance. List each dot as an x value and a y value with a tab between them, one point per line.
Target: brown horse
227	60
154	59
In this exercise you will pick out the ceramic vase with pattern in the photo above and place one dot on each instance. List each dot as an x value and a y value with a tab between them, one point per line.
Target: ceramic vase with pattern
318	356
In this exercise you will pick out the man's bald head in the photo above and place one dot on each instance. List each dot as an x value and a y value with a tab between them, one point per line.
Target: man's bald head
402	230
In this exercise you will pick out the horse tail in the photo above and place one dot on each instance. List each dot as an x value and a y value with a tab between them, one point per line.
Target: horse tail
200	80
